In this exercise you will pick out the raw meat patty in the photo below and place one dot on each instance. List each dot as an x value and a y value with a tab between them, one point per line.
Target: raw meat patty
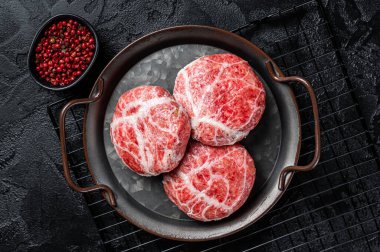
150	130
223	97
211	182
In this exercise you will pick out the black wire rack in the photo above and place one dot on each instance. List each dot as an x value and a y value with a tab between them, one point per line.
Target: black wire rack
334	207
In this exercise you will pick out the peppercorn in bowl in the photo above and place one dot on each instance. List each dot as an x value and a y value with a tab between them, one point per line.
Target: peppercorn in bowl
62	52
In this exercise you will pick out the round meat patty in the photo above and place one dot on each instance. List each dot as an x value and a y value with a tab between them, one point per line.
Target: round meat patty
211	182
149	130
223	97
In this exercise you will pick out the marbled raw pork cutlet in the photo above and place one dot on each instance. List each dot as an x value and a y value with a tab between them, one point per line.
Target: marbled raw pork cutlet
149	130
211	182
223	97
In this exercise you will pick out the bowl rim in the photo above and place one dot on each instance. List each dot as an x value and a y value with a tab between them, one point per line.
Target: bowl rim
36	39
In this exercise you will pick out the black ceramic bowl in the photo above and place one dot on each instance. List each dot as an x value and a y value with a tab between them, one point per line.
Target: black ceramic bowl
32	53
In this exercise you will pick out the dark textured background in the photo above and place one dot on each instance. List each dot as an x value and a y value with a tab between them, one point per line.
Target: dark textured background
38	212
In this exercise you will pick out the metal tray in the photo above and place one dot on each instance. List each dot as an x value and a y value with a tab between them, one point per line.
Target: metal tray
274	144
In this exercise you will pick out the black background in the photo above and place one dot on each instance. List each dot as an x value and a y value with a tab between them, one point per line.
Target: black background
38	212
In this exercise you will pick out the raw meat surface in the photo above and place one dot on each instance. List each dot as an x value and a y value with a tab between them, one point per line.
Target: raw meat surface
149	130
223	97
211	182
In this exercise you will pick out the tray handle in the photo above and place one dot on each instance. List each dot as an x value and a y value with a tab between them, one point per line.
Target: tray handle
66	172
274	73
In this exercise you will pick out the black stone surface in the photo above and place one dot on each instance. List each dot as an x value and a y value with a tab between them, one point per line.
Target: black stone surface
38	212
357	26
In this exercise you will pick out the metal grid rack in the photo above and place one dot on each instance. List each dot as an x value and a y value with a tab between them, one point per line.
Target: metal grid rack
334	207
